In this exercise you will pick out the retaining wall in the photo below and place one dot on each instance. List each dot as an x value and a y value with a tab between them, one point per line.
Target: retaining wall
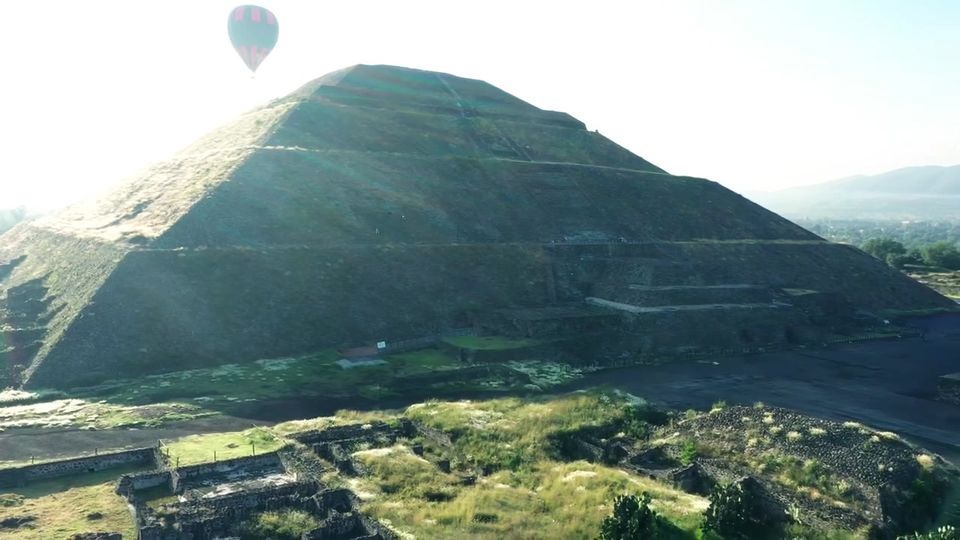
19	476
355	431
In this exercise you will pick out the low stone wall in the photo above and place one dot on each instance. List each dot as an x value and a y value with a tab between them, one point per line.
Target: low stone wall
218	517
948	388
129	484
356	431
18	476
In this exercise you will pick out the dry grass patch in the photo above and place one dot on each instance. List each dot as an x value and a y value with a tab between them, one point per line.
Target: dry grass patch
62	507
554	500
926	461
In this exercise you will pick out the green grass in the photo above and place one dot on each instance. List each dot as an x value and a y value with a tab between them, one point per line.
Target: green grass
552	500
549	499
195	449
279	378
483	428
62	505
489	343
283	525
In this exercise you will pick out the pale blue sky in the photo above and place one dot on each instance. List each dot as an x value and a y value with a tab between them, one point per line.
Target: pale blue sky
757	95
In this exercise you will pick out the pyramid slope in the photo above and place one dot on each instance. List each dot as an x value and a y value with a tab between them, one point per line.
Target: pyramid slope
386	203
144	207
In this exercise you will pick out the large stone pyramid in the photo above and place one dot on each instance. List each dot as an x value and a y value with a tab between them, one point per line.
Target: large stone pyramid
381	203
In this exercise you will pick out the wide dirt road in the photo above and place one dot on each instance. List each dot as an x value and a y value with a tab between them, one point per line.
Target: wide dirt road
886	384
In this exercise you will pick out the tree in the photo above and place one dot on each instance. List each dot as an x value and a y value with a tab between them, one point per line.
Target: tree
881	248
898	261
632	519
942	254
735	513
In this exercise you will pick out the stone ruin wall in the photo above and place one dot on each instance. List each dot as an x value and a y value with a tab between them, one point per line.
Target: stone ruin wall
19	476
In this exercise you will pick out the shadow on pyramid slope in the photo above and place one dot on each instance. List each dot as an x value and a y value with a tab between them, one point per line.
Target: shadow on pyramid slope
384	203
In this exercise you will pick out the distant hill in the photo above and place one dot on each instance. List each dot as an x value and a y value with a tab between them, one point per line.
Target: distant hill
10	217
928	193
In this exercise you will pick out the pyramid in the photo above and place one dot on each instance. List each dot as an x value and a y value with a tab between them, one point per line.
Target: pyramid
384	203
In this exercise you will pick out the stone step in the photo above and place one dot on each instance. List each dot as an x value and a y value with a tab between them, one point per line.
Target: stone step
670	295
630	308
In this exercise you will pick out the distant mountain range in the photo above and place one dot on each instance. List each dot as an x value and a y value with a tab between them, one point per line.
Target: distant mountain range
914	193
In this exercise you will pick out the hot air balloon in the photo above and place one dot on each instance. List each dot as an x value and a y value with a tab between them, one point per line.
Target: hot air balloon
253	32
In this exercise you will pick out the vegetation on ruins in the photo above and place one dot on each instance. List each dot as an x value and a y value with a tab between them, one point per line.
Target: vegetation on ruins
631	518
514	465
736	514
284	525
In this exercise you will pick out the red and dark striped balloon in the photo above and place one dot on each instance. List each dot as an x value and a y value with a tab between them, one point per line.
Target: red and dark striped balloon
253	32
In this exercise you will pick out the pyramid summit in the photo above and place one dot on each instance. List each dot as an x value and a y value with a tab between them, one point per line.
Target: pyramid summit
381	203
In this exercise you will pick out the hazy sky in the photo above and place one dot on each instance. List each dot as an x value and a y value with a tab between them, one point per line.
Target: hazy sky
757	94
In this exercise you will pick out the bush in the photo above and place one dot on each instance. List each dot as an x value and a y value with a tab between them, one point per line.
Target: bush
735	514
637	420
923	500
287	525
632	519
689	453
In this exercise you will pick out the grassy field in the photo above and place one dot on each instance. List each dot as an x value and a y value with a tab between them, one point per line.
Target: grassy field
186	395
549	500
67	506
195	449
489	343
231	384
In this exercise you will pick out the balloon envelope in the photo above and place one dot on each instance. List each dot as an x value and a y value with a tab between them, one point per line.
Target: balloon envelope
253	31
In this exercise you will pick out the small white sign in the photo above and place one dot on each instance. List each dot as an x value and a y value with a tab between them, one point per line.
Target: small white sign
381	344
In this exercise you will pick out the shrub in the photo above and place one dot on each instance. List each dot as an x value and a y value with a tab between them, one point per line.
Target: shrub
735	514
632	519
287	525
923	500
689	453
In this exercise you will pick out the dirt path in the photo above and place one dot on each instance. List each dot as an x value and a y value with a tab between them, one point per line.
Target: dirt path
886	384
